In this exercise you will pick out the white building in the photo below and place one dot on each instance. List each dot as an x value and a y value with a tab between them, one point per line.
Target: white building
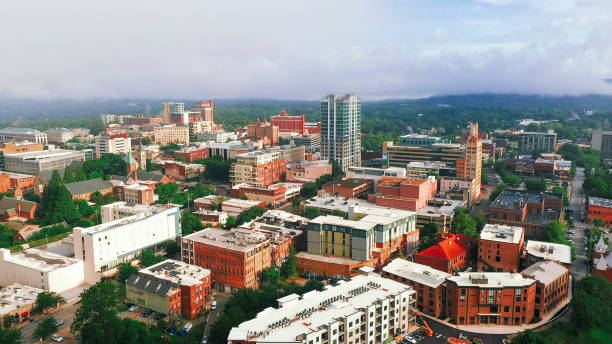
40	269
17	300
11	134
367	309
46	160
540	250
114	142
375	174
341	129
125	231
234	206
217	136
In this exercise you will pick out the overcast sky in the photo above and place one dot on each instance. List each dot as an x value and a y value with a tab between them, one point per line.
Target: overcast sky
303	49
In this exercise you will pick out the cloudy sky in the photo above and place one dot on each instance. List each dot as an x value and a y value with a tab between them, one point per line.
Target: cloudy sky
303	49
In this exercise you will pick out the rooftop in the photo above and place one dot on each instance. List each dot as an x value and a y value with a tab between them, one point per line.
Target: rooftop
19	130
545	271
139	212
45	154
177	272
419	273
16	296
550	251
241	203
348	183
88	186
40	260
600	202
347	205
489	280
240	239
339	221
502	233
299	315
450	248
516	199
327	259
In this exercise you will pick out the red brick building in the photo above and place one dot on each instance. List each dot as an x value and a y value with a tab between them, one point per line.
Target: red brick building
171	287
350	187
235	258
330	266
264	131
12	208
600	208
552	286
449	255
404	193
269	195
477	298
183	171
84	189
500	248
192	154
429	283
289	124
206	108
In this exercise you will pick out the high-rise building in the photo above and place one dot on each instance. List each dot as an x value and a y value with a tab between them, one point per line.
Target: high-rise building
289	124
529	142
470	167
113	142
602	141
341	129
170	107
206	108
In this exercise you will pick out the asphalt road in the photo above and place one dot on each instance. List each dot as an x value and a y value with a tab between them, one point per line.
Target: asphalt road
66	314
214	315
447	332
579	266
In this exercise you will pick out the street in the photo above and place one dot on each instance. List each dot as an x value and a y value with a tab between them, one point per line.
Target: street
579	266
448	332
214	315
66	314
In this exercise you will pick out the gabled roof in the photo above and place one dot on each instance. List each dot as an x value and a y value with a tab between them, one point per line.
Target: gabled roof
87	186
148	176
8	203
449	249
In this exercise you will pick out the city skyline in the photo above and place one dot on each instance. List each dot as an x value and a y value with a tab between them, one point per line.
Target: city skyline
304	50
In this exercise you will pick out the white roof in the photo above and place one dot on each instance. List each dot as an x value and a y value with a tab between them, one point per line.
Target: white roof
545	271
339	221
177	272
550	251
419	273
488	280
502	233
321	307
241	239
39	260
359	207
16	296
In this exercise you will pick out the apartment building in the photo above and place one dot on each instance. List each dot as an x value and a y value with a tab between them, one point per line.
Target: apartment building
600	208
126	230
135	193
264	131
206	108
428	283
47	160
235	258
40	269
532	211
494	298
183	170
529	142
500	248
113	142
349	188
259	168
304	171
11	134
170	108
439	211
275	194
366	309
199	127
552	286
470	166
171	287
537	251
171	134
289	124
404	193
341	130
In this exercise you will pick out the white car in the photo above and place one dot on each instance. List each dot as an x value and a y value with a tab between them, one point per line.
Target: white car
586	249
187	327
214	305
57	338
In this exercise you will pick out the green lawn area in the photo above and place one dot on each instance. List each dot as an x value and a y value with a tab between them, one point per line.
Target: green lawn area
565	333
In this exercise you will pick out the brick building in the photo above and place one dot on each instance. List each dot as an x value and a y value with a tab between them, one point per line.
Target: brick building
303	171
275	194
350	187
429	283
478	298
500	248
12	209
448	255
404	193
84	189
191	154
262	131
537	251
289	124
600	208
259	168
171	287
206	108
552	286
183	171
532	211
135	193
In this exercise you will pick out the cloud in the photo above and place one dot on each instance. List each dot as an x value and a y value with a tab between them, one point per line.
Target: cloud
302	49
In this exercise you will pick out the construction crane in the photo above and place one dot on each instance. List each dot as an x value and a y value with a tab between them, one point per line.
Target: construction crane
429	330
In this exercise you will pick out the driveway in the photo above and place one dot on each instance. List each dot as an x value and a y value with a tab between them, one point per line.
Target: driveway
214	315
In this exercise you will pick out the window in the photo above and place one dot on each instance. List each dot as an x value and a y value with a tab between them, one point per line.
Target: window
518	294
462	298
491	296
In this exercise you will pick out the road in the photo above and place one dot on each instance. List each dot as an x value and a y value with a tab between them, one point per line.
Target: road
66	314
447	332
214	315
579	266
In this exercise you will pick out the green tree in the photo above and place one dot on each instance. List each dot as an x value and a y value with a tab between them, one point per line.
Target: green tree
47	300
555	233
149	258
170	147
336	169
83	207
45	328
56	204
428	235
10	336
498	190
166	192
311	213
309	190
190	223
270	275
535	185
80	174
592	304
464	223
289	268
530	337
68	175
481	220
125	271
96	318
172	248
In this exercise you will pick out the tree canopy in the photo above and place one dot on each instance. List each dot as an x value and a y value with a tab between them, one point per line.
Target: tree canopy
190	223
45	328
592	304
10	335
47	300
56	204
464	223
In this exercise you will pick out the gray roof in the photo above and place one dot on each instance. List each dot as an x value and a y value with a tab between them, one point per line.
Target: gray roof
151	284
516	199
148	176
87	186
46	175
11	203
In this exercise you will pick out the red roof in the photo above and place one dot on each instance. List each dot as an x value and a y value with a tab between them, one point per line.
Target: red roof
450	248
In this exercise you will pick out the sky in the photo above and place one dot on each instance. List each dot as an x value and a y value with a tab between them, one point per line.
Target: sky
70	49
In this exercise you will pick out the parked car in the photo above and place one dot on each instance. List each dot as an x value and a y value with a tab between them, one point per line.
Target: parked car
586	249
204	338
59	323
214	305
159	316
132	308
187	327
146	313
57	338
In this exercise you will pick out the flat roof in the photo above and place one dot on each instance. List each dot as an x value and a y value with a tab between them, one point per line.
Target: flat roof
240	239
419	273
299	315
491	280
348	183
45	154
241	203
339	221
600	202
359	207
437	207
40	260
516	199
327	259
550	251
502	233
15	296
177	272
545	271
140	212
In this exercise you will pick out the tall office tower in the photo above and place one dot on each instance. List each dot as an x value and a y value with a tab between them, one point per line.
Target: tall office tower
115	142
470	167
206	108
170	107
602	141
341	129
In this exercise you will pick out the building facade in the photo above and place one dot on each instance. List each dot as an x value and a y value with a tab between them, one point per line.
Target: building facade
500	248
11	134
602	141
113	142
171	134
600	208
289	124
341	130
47	160
552	286
170	108
206	108
259	168
529	142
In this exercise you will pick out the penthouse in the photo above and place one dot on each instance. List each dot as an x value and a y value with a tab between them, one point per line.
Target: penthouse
367	308
126	230
235	257
171	287
47	160
538	251
499	248
532	211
